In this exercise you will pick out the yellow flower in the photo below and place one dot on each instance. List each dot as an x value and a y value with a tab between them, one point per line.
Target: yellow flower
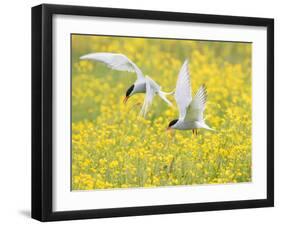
113	164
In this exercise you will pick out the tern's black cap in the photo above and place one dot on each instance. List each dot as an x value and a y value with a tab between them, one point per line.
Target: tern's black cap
129	91
173	122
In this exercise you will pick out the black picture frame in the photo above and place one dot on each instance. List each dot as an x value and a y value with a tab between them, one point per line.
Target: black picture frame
42	107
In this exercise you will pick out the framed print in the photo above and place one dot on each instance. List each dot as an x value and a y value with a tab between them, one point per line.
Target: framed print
146	112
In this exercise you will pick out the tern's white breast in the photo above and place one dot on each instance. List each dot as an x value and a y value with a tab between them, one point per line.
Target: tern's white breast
182	125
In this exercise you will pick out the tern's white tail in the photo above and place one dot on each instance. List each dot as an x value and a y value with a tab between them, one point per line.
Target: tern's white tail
205	126
163	96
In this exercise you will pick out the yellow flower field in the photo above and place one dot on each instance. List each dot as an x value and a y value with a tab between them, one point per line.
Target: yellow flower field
112	147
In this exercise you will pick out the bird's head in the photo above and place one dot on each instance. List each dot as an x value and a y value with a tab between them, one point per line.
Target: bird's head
129	93
172	124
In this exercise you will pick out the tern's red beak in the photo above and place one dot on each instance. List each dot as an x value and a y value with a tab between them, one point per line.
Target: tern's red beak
125	100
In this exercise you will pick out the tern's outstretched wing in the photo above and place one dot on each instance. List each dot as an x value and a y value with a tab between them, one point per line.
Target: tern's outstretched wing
115	61
183	90
197	106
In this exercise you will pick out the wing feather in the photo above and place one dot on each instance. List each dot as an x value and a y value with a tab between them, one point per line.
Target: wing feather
183	90
149	95
197	106
115	61
152	83
152	88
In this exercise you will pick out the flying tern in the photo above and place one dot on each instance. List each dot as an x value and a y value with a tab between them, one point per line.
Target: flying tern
143	84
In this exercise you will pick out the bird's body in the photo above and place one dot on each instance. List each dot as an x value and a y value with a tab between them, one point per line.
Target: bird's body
190	110
143	84
139	87
183	125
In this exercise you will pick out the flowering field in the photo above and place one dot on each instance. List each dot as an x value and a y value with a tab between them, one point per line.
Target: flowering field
114	148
